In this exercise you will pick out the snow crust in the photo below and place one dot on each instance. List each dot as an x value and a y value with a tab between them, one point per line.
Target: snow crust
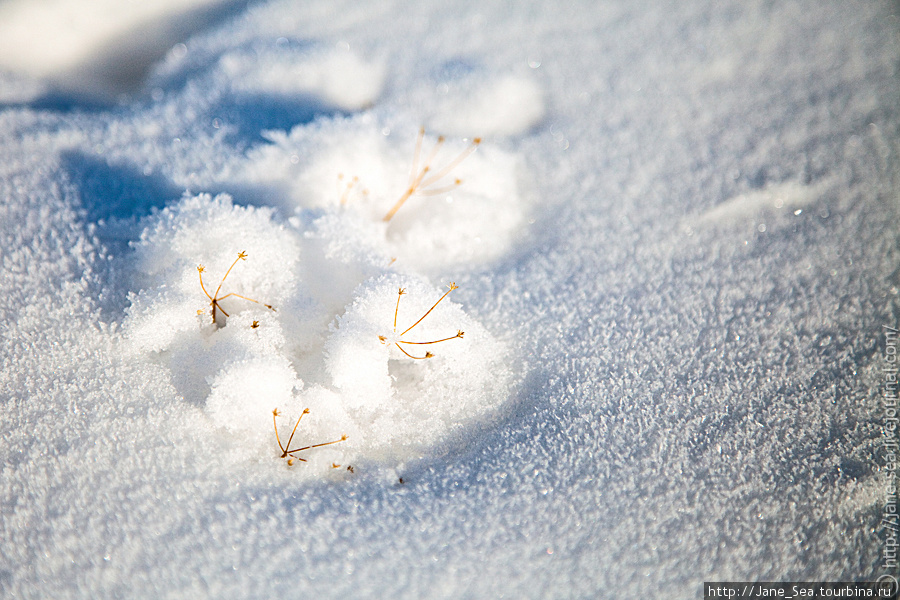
675	247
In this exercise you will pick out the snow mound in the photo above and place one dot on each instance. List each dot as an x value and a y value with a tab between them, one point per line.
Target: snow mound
401	401
501	105
355	171
335	76
207	232
223	305
97	49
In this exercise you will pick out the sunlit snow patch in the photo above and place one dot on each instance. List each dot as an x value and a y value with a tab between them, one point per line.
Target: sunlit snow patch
336	77
170	317
356	170
502	105
360	373
400	401
206	231
99	48
789	195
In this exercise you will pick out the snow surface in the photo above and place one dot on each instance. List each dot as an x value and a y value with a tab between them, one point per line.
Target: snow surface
675	248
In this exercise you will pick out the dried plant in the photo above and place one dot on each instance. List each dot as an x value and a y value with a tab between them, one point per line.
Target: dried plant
351	187
397	338
215	299
421	179
286	450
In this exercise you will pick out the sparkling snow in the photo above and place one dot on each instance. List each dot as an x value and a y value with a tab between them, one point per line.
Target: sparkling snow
675	245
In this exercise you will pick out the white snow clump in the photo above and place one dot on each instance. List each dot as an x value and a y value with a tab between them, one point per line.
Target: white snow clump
501	105
353	172
305	306
336	77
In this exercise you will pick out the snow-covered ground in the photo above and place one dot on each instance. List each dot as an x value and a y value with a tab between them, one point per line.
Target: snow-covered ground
658	239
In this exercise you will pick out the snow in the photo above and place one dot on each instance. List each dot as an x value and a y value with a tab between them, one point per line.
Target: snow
660	265
92	49
495	105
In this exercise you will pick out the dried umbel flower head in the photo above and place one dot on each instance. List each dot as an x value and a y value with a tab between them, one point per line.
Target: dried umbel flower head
215	299
350	188
286	450
398	340
422	179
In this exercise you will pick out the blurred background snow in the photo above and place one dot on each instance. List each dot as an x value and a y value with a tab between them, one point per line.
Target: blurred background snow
95	50
679	231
